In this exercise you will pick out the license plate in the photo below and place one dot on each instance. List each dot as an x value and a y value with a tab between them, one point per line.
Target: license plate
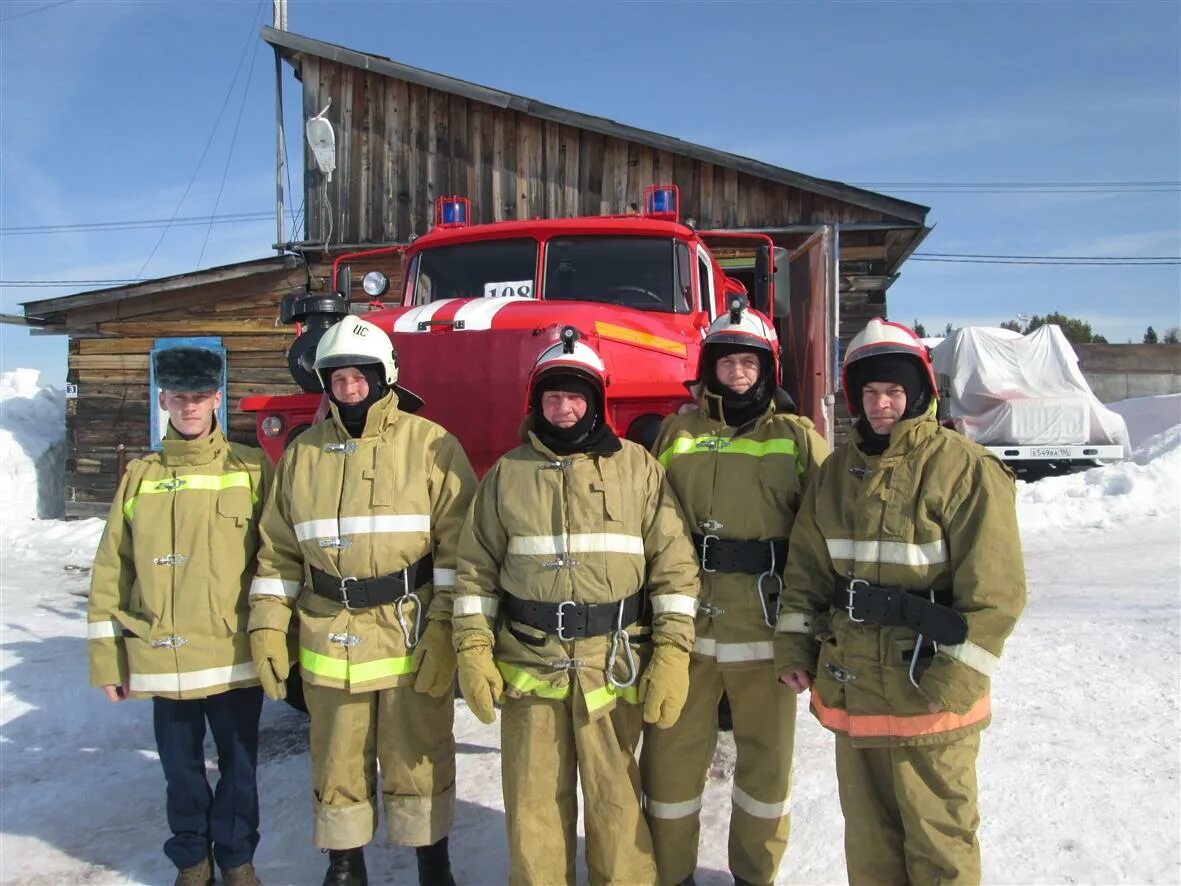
1049	452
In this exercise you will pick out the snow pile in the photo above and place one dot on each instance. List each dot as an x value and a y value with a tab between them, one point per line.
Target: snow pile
1110	534
32	447
1148	485
1146	416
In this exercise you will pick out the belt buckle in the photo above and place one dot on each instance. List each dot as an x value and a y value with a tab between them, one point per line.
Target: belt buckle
344	591
705	540
851	590
561	629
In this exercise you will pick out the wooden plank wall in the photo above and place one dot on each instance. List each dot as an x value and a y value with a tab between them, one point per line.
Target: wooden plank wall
401	145
111	372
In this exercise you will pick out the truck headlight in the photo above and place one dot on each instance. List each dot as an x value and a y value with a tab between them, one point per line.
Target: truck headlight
375	283
271	426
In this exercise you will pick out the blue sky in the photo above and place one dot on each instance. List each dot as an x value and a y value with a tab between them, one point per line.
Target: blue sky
107	107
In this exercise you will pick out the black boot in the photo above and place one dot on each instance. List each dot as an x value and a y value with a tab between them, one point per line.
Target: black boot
434	865
346	867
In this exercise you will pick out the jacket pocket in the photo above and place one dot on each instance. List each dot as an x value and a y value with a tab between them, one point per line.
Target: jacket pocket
904	697
235	504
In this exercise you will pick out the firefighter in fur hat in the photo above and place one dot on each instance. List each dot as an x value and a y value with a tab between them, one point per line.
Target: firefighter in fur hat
167	615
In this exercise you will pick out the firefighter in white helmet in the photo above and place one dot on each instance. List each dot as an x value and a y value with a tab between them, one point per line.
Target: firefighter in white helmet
358	542
574	607
739	465
904	577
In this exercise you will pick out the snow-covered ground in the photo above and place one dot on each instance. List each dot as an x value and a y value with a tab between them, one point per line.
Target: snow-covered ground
1079	772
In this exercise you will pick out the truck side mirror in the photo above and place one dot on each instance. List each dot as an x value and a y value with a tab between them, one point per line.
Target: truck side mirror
761	294
782	282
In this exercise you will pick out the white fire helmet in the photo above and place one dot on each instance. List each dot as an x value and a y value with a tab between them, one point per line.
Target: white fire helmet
741	326
569	354
883	337
355	342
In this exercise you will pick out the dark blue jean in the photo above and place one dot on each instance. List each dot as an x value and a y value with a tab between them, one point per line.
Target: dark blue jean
226	817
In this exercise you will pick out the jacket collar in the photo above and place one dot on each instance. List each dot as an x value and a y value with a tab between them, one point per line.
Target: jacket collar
906	436
712	407
178	451
381	415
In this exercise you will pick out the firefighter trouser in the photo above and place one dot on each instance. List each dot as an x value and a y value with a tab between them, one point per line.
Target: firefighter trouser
675	761
410	735
545	753
910	812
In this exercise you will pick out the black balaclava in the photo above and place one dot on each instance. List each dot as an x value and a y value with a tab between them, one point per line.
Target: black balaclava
737	409
591	433
353	415
900	369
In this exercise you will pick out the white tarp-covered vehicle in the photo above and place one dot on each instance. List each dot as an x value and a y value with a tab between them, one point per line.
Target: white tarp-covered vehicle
1025	398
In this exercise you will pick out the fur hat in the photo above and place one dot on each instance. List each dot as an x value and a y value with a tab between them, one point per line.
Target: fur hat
188	369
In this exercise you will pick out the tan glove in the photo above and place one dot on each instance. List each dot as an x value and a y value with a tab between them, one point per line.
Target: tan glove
434	660
664	685
268	648
479	680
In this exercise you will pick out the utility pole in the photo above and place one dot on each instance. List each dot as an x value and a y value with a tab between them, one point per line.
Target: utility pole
279	24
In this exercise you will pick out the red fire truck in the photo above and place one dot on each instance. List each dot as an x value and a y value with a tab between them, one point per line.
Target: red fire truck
479	302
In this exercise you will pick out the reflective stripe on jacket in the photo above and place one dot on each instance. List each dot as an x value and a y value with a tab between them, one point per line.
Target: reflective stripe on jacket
934	512
361	508
168	592
741	484
587	528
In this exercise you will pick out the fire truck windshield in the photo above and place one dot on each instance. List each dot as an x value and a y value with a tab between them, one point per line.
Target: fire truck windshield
474	270
634	272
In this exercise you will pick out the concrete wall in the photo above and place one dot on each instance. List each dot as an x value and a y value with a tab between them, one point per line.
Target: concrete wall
1120	372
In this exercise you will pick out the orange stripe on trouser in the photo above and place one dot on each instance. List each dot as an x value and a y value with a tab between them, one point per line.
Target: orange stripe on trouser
891	726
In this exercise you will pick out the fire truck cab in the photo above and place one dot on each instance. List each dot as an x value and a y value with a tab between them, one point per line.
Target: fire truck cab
478	303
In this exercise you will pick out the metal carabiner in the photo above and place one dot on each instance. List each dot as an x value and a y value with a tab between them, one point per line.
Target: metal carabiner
633	671
771	619
918	646
410	596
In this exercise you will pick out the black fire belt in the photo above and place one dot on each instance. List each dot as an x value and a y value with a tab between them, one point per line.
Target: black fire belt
899	606
365	593
569	620
734	555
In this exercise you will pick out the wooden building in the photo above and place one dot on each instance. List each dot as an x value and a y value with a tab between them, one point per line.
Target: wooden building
403	137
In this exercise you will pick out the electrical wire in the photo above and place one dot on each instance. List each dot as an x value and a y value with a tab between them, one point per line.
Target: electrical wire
17	15
233	139
205	150
135	224
1035	187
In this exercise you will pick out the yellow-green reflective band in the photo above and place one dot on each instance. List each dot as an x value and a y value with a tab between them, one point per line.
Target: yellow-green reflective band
604	695
340	669
185	482
526	682
728	445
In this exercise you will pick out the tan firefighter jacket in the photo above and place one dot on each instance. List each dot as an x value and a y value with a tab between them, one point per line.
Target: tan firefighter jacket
743	484
168	590
361	508
933	512
586	528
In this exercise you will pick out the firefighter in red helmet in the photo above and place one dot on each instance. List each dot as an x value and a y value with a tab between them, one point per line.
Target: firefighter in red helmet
739	466
574	605
904	577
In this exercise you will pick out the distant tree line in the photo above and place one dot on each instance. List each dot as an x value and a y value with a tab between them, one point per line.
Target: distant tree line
1077	332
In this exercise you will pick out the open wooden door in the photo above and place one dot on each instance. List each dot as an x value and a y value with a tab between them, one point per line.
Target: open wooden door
808	332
